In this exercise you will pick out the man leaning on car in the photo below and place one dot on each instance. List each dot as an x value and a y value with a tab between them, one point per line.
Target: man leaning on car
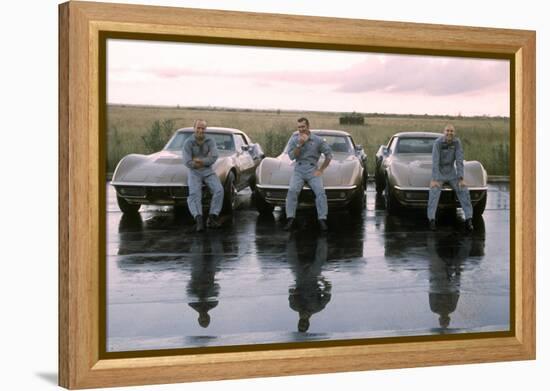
306	148
447	151
199	154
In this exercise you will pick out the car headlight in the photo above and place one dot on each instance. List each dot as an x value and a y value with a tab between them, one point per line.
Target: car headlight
132	191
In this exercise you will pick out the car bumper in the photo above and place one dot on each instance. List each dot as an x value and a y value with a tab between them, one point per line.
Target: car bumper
155	194
418	196
337	196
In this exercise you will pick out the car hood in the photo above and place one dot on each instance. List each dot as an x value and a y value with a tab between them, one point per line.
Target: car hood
164	167
415	170
343	170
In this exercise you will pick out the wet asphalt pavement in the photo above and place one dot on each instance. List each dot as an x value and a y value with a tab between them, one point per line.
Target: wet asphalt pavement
250	282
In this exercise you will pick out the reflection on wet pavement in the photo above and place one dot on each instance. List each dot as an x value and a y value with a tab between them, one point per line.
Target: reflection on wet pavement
311	291
250	282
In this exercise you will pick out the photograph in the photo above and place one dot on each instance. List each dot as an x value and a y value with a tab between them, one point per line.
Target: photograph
278	197
259	194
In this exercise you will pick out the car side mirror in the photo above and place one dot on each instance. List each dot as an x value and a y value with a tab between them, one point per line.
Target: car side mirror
385	150
358	147
245	148
256	151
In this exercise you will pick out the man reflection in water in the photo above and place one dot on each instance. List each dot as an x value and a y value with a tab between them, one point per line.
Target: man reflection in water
448	253
203	288
311	293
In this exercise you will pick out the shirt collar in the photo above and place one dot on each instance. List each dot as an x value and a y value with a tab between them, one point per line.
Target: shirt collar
206	138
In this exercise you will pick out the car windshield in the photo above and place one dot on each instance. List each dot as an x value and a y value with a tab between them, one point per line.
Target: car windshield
338	143
415	145
224	141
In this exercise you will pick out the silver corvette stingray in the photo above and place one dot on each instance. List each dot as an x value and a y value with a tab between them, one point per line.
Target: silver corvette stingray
161	178
345	179
404	169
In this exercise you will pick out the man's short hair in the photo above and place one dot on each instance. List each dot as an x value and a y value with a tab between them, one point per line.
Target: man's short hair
197	121
304	119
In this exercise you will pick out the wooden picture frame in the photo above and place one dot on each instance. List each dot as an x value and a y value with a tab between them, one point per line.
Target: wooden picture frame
81	172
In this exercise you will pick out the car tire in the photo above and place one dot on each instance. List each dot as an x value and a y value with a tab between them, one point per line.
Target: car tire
357	204
379	181
182	211
126	207
229	194
252	183
365	177
262	206
479	208
392	205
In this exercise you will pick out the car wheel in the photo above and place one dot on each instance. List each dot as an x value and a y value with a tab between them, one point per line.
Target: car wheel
229	194
357	204
392	204
379	181
181	211
479	208
252	183
262	206
126	207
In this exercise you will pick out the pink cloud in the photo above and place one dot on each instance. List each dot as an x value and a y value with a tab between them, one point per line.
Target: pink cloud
175	72
407	75
396	74
436	77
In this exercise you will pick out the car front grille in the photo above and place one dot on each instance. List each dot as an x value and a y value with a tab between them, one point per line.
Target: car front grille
131	191
447	197
180	192
153	193
306	195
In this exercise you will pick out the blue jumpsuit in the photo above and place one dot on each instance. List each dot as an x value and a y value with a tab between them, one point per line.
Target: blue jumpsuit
208	153
306	164
444	157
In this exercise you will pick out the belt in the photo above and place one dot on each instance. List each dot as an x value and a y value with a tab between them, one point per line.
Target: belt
306	163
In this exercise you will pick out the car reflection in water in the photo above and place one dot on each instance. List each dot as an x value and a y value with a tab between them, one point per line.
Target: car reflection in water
152	238
440	256
130	226
307	254
251	282
165	244
311	292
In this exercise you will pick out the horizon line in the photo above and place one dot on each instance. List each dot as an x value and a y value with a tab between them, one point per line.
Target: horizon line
228	108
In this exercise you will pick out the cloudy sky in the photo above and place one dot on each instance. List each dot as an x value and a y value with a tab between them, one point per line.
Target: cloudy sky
155	73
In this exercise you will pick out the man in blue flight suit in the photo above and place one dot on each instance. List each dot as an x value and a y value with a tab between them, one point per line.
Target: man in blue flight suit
306	148
447	151
199	154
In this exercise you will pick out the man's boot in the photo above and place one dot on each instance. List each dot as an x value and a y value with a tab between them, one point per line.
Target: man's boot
213	222
469	225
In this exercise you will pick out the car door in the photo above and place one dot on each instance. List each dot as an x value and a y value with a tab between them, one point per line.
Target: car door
245	163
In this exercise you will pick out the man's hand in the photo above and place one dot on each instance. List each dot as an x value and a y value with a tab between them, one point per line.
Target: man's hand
197	163
321	169
461	182
303	137
435	184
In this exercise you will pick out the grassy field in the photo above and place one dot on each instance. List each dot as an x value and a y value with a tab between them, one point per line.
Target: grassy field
136	129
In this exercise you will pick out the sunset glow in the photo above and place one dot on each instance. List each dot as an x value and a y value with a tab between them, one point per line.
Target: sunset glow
156	73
